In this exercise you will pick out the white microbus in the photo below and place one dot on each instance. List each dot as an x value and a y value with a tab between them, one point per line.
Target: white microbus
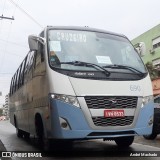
81	83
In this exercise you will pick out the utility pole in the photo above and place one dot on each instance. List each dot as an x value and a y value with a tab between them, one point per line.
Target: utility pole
10	18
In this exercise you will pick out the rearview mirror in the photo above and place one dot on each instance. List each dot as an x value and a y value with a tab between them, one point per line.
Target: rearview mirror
33	42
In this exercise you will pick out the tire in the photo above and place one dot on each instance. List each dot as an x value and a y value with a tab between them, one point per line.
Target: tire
19	133
26	135
124	141
42	142
151	136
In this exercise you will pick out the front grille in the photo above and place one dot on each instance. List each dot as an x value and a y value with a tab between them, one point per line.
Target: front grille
110	102
116	121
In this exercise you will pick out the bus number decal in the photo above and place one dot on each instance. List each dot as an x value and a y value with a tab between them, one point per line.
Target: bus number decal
135	88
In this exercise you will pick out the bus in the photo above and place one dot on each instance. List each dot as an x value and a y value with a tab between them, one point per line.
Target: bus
80	83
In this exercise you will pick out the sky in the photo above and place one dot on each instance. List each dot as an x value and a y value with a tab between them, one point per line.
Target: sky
129	17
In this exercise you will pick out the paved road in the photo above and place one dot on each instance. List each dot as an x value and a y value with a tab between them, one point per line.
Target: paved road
92	149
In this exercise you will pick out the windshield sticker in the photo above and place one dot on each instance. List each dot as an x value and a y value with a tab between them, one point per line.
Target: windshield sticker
55	46
104	59
71	37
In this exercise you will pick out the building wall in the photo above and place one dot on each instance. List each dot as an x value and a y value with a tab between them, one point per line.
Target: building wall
4	87
147	38
6	106
151	54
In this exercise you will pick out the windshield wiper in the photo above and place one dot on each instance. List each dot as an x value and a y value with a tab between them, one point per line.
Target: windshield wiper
116	66
80	63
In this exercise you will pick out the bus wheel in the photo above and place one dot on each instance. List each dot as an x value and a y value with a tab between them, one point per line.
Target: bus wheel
150	136
42	142
26	135
19	133
124	141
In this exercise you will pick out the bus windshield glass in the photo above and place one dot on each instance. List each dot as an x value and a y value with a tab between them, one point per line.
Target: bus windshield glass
102	49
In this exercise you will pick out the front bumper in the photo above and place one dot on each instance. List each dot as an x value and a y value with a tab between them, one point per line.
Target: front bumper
80	128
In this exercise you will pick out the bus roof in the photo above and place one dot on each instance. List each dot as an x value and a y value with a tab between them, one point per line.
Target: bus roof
86	28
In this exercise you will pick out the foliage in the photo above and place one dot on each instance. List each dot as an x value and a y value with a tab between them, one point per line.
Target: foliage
153	71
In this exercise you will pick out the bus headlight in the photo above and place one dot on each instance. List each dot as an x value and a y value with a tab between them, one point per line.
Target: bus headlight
146	99
66	98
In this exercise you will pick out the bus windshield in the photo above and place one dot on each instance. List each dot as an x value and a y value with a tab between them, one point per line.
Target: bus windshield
97	48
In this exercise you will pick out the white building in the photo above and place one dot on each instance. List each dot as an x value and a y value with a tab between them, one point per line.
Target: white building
6	106
4	88
1	100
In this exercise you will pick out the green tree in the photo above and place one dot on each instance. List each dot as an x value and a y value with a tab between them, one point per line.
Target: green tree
153	71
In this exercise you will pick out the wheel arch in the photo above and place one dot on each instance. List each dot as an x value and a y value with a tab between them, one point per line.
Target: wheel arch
40	123
15	121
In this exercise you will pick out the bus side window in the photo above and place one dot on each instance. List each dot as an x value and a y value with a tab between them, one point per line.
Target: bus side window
41	48
21	77
27	71
23	70
17	79
31	60
11	87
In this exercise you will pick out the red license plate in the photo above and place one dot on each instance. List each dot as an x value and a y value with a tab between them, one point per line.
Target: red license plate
114	113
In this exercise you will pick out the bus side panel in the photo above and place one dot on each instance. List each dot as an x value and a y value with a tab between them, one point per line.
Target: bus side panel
11	115
40	90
